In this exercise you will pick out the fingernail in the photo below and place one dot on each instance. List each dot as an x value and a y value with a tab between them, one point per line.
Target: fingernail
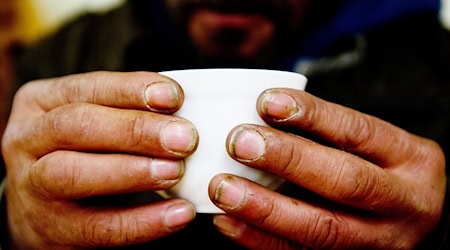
161	96
179	137
247	144
278	105
166	169
229	226
179	215
230	193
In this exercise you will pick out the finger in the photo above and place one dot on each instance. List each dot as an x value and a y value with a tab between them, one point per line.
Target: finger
87	127
298	221
347	129
108	227
136	90
332	173
76	175
249	237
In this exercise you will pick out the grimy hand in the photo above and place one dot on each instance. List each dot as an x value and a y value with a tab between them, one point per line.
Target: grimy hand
384	186
90	135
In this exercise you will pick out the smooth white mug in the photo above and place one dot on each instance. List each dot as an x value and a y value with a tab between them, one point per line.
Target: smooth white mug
217	100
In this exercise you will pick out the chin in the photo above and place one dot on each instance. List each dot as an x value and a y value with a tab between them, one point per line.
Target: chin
230	35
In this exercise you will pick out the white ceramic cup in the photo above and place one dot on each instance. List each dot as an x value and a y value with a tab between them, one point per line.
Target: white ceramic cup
216	100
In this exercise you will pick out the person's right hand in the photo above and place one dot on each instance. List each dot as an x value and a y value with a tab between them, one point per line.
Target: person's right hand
91	135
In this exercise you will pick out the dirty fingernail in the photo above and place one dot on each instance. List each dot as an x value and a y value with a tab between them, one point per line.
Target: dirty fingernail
230	193
161	96
179	137
166	169
278	105
247	144
179	215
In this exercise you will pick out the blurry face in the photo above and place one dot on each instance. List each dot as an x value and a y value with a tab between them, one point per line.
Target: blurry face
237	28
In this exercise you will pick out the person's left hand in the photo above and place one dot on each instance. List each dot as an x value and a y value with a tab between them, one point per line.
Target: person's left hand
380	186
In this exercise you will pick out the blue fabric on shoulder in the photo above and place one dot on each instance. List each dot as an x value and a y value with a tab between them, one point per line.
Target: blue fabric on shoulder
356	16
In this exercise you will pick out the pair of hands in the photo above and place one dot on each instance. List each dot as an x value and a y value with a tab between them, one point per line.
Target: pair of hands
102	133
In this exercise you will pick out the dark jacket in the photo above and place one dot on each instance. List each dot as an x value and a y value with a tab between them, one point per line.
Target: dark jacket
395	66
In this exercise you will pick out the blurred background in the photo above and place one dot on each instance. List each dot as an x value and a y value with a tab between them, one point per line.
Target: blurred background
27	20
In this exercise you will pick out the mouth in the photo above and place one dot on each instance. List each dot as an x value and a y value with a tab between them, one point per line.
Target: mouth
275	10
229	27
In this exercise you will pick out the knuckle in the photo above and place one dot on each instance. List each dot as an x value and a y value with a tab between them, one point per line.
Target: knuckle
434	152
26	91
43	176
96	231
59	126
354	183
6	143
361	132
136	130
37	181
323	232
9	141
266	210
68	175
13	140
109	230
288	161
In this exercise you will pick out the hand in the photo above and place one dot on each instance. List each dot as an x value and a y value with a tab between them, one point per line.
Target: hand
72	139
377	185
